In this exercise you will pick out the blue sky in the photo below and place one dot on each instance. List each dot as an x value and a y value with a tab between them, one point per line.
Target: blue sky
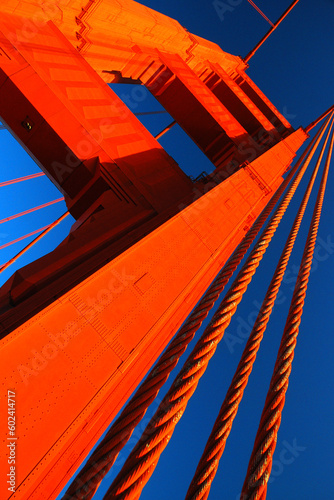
294	69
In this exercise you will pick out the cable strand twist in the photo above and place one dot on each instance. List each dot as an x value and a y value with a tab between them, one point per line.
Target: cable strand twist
209	462
259	468
87	481
144	457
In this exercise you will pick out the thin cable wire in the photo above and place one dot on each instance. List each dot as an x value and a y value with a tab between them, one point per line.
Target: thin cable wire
23	237
259	468
100	462
151	113
143	459
266	36
30	210
20	179
45	230
260	12
209	462
166	129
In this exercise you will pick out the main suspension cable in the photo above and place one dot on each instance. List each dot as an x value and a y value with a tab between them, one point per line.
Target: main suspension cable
209	462
105	455
143	459
321	117
259	468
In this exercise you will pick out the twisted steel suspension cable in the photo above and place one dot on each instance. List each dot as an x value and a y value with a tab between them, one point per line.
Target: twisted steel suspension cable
258	473
105	455
209	462
144	457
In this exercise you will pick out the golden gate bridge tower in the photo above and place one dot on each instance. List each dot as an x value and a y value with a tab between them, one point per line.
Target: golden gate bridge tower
151	250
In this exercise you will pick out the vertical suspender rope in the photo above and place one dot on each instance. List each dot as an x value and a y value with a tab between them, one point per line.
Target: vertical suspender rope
261	13
143	459
30	210
44	230
166	129
263	39
100	462
258	473
208	464
20	179
5	245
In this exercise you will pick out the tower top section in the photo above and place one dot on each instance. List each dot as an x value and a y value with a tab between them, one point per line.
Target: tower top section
108	33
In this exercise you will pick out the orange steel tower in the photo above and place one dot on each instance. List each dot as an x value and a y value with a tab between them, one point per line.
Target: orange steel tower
81	326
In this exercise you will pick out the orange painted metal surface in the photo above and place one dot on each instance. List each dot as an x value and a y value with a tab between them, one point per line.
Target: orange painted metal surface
261	461
118	434
144	457
75	363
208	464
262	102
81	326
81	134
240	105
196	109
86	24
